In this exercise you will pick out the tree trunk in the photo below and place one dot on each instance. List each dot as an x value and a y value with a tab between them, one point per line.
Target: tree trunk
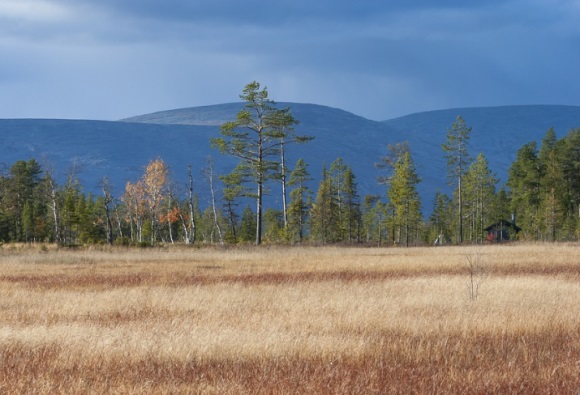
283	179
213	205
460	191
192	224
260	176
184	226
259	212
57	235
55	211
118	218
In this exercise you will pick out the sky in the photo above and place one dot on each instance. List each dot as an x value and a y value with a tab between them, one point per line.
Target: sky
381	59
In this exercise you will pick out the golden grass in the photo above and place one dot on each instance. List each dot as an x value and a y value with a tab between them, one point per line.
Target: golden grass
290	320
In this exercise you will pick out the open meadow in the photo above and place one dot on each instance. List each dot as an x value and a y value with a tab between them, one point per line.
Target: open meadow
295	320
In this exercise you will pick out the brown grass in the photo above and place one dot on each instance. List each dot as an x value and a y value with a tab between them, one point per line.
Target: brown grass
290	320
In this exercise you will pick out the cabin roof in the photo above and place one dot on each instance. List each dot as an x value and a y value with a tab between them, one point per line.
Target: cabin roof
503	224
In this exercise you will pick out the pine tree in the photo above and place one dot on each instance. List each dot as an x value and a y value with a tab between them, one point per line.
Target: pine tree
479	196
404	197
285	122
255	138
387	163
458	161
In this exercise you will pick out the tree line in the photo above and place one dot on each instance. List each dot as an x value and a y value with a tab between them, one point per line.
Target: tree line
542	194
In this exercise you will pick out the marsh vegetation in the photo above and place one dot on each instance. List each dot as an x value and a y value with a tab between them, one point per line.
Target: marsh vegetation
290	320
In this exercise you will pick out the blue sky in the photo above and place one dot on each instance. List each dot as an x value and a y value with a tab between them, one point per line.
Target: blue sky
110	59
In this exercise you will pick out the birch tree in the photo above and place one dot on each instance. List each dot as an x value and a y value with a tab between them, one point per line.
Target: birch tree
209	174
155	183
190	226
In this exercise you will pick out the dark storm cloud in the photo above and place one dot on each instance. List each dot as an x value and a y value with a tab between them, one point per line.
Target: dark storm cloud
374	58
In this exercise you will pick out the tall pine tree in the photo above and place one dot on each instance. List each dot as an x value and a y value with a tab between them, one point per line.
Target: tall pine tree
256	138
458	161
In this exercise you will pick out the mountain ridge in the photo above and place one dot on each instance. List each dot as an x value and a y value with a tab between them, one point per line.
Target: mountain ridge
120	149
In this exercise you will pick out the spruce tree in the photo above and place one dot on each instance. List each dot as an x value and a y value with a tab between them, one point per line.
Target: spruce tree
298	207
20	190
337	176
524	183
273	225
569	153
352	211
324	214
247	225
552	186
232	191
501	208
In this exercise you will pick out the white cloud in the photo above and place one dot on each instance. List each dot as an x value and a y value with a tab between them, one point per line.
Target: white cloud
32	10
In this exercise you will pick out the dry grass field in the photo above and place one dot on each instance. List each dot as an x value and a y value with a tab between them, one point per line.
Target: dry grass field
493	319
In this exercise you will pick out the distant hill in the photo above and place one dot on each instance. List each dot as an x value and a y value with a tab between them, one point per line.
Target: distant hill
120	150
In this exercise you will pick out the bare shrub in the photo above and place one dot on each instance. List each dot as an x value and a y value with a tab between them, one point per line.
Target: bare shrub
477	271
